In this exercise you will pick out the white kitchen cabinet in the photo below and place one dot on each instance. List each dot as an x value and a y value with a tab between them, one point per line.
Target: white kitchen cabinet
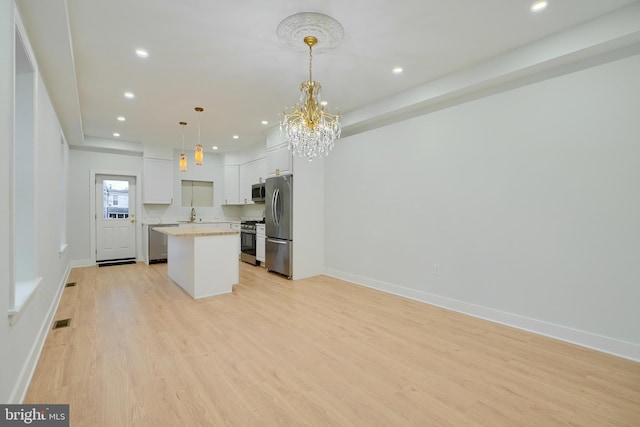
236	226
260	242
279	161
157	184
246	180
260	170
231	185
250	173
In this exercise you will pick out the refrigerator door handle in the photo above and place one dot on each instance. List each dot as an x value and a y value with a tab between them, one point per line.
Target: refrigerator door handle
273	207
280	242
276	207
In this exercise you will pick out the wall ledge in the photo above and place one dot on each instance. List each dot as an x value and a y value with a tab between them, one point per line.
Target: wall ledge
25	290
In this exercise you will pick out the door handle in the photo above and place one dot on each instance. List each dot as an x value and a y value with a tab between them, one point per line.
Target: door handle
277	206
273	206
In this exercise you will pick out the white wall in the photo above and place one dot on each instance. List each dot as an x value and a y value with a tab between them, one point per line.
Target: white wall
81	163
21	342
522	207
7	371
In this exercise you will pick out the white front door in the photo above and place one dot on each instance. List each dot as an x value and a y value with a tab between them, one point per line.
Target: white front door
115	218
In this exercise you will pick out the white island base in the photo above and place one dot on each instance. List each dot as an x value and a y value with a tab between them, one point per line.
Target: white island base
202	260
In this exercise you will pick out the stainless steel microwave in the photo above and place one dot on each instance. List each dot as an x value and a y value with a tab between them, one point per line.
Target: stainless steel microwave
258	192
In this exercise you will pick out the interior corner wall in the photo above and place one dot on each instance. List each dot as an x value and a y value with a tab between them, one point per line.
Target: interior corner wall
522	207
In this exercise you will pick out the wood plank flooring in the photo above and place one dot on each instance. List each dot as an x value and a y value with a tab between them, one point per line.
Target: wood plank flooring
316	352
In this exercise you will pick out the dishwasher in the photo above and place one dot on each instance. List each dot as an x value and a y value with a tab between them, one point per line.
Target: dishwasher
158	244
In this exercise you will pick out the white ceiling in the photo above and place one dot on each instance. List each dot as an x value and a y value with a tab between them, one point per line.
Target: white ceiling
225	57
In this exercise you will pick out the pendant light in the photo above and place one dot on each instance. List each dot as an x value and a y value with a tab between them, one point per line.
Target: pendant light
183	158
199	154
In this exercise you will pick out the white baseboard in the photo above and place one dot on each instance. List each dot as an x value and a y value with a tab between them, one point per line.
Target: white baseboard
600	343
82	263
29	367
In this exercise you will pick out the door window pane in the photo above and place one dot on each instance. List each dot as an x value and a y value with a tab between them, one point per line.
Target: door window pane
115	196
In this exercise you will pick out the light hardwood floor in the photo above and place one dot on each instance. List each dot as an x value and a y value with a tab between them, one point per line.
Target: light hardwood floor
321	352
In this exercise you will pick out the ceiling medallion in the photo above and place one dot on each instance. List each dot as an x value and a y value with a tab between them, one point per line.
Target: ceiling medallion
324	28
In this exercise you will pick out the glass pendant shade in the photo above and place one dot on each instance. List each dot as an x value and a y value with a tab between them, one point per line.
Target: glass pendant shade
308	128
183	162
183	158
199	155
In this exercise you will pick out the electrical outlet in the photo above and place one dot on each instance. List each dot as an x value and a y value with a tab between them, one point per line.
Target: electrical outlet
436	269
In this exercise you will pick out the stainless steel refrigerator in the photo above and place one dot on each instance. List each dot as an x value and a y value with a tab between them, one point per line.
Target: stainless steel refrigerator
279	224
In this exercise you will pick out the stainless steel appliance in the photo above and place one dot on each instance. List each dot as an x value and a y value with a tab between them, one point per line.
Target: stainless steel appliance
258	192
279	224
158	244
248	242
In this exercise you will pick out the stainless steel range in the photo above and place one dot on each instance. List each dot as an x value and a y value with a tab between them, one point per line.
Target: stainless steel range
248	242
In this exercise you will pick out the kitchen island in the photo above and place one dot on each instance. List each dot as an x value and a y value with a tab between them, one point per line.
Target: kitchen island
202	260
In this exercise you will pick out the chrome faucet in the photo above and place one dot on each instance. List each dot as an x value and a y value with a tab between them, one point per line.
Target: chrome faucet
193	214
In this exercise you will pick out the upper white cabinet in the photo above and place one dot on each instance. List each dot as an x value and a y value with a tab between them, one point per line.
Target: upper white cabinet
157	185
279	161
251	173
242	170
231	185
260	170
246	180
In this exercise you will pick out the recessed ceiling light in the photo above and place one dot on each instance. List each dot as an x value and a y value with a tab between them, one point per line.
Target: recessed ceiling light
537	6
215	147
116	134
397	70
129	95
121	118
142	53
264	122
235	137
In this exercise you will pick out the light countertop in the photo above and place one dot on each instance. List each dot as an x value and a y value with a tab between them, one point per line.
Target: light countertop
151	221
188	231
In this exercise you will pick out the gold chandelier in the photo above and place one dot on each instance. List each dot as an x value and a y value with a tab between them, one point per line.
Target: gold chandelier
308	128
